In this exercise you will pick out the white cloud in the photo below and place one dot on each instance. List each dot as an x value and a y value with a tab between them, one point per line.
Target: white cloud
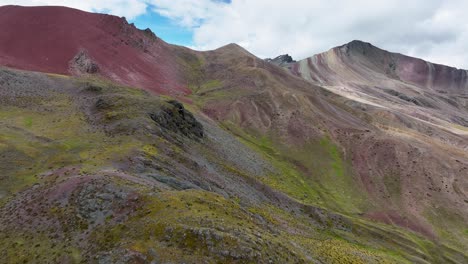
188	13
435	30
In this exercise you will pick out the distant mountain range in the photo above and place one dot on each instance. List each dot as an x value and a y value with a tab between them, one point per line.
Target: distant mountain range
116	147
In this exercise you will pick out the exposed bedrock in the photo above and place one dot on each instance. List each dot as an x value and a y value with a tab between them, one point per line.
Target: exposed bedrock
174	117
82	63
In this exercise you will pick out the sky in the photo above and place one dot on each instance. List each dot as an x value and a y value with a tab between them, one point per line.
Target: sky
434	30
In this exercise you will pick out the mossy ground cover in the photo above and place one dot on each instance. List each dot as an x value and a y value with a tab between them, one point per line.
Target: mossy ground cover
49	141
314	173
31	247
451	227
327	182
191	226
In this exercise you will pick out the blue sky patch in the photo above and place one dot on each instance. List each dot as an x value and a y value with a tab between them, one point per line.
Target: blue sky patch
164	28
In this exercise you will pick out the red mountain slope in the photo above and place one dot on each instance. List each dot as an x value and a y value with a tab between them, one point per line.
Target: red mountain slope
69	41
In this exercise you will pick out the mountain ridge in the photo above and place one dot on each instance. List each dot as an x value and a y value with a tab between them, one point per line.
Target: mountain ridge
409	69
224	157
372	46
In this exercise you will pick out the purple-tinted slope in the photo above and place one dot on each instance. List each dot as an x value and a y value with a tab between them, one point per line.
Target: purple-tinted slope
359	61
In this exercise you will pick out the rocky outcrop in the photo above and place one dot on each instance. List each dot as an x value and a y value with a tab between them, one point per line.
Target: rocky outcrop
175	118
83	64
281	60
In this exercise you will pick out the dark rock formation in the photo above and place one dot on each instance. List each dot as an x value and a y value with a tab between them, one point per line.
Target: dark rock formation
174	117
359	46
149	33
83	64
281	60
102	104
415	100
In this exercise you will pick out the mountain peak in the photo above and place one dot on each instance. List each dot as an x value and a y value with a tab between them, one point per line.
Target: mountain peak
281	60
371	63
233	46
359	46
234	50
358	43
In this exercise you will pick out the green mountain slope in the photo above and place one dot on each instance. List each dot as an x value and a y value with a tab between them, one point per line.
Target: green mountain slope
95	172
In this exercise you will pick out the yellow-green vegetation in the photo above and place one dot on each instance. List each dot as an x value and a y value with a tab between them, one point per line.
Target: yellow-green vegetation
28	121
55	133
31	247
192	226
336	161
193	68
393	185
314	173
211	93
460	127
450	227
125	163
207	86
56	75
54	140
150	150
415	247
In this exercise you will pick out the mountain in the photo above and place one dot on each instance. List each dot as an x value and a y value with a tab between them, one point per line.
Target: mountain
69	41
360	57
116	153
435	93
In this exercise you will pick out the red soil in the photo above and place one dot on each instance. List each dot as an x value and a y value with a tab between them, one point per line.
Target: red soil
45	39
